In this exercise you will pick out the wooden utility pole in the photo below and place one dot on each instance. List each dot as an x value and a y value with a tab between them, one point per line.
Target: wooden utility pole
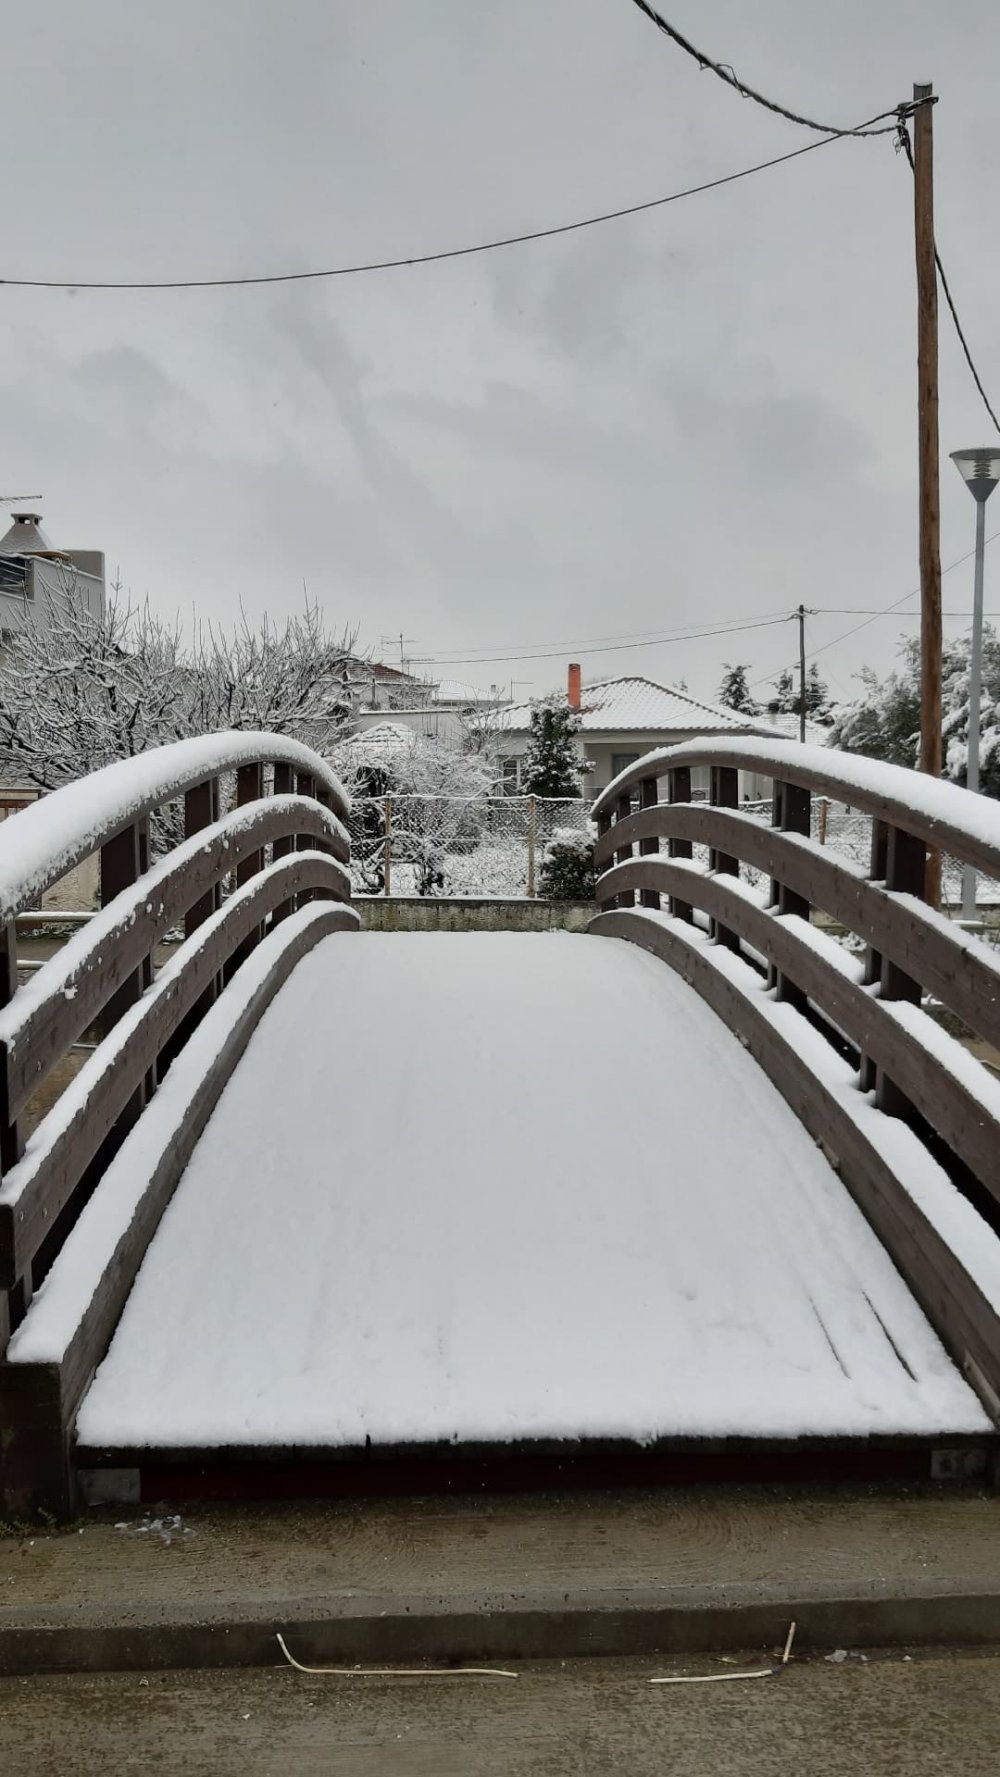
927	433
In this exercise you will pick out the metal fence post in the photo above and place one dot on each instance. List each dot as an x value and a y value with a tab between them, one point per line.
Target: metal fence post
387	857
532	816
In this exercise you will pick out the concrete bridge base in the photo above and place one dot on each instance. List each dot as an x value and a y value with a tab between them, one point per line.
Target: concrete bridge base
490	1579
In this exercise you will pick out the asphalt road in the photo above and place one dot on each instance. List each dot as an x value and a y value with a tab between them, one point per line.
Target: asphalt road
889	1716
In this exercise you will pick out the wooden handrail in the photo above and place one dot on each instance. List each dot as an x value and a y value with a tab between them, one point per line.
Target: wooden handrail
273	852
942	816
45	840
868	1008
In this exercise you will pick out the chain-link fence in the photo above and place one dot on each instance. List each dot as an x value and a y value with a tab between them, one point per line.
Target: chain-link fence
490	846
849	832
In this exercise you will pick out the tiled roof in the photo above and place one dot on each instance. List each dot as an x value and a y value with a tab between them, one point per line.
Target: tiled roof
615	705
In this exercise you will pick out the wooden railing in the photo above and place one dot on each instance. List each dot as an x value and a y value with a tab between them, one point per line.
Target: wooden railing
237	881
855	1043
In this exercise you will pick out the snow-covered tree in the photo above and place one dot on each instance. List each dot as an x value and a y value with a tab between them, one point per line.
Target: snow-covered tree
551	763
438	793
568	872
786	700
734	692
884	721
78	691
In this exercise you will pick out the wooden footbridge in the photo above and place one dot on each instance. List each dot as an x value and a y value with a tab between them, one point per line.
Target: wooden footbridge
325	1209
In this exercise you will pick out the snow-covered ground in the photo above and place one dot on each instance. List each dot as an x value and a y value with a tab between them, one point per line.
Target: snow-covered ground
492	1186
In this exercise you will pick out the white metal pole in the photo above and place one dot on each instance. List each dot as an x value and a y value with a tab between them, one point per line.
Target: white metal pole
975	684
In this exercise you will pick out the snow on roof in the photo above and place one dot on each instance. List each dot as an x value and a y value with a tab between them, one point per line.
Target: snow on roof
632	702
386	738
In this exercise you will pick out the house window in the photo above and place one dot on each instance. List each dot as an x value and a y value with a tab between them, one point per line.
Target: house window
619	762
509	775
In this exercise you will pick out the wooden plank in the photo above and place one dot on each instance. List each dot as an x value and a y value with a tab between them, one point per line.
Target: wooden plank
967	1323
25	1223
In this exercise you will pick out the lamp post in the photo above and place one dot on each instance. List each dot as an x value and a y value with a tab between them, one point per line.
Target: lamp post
980	470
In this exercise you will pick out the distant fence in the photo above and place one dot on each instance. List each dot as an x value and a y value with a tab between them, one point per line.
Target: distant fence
491	846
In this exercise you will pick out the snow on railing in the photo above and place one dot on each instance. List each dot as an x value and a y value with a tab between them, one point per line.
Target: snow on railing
241	884
47	838
855	1043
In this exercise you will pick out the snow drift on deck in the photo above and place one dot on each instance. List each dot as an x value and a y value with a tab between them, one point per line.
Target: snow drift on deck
497	1186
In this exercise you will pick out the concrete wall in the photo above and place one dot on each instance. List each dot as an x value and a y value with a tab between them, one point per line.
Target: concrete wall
415	914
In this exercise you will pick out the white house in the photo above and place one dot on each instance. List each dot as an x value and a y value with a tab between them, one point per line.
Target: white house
34	576
620	719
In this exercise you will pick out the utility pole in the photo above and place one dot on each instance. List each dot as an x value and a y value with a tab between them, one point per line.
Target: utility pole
802	671
927	436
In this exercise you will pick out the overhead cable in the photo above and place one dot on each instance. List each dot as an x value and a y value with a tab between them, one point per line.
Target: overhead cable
904	142
376	265
726	73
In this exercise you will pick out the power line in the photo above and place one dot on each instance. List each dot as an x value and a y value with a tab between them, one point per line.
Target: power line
640	636
617	648
906	145
725	72
348	271
884	612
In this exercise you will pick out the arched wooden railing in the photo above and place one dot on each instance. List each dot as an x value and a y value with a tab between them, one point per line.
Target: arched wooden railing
909	1117
253	889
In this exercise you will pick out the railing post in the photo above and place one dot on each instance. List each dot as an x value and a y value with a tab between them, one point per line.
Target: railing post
725	794
201	809
679	790
791	812
906	873
603	827
305	784
532	837
283	786
387	848
13	1304
623	808
123	860
867	1078
249	788
649	796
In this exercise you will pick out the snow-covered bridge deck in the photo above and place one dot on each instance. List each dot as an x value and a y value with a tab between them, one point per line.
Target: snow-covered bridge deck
725	1189
495	1187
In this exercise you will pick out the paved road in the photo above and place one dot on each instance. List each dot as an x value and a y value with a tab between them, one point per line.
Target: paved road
927	1717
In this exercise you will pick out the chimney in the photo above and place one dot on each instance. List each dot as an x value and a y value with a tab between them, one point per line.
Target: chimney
573	686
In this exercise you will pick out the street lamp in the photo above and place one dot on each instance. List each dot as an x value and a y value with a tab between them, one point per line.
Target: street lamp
980	470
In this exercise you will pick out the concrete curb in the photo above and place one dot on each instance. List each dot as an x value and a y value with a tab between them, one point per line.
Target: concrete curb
547	1625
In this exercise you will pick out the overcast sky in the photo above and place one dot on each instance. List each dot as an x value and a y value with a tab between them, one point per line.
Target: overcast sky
700	414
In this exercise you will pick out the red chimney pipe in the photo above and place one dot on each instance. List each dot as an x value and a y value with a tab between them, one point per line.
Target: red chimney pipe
573	686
